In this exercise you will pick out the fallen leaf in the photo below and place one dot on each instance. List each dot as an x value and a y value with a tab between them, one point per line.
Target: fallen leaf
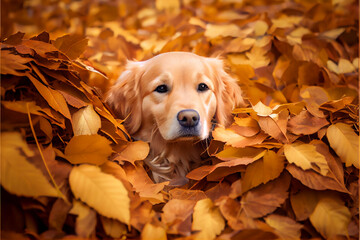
142	184
53	97
263	170
315	180
177	216
207	219
306	124
71	45
86	121
303	203
94	149
331	217
153	232
101	191
226	30
266	198
345	142
306	157
203	171
18	176
113	228
86	219
285	227
134	151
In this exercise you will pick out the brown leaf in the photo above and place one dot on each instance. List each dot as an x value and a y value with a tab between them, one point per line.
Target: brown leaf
177	216
315	180
203	171
306	124
266	198
142	184
54	98
72	45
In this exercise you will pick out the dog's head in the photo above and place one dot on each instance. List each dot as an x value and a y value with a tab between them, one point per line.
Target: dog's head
176	93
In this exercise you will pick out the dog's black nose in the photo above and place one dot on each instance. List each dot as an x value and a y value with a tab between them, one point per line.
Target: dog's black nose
188	118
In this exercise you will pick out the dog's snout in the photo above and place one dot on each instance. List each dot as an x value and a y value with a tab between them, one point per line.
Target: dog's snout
188	118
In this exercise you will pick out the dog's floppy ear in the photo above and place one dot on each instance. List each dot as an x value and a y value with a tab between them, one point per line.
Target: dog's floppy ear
227	91
124	97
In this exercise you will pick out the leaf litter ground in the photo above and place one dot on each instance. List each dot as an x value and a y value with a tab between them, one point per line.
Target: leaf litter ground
286	169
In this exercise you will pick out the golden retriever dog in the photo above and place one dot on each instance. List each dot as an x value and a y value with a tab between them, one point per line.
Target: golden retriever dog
171	101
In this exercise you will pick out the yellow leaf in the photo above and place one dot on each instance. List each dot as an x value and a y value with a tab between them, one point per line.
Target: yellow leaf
345	142
101	191
134	151
285	227
231	153
331	217
306	156
344	66
228	30
86	221
86	121
262	110
113	228
151	232
260	28
207	219
93	149
168	5
18	176
263	170
295	37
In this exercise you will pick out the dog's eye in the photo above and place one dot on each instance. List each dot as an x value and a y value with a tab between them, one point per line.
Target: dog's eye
162	88
202	87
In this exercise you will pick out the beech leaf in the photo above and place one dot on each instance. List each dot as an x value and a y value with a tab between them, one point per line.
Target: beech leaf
72	45
18	176
306	157
152	232
263	170
331	217
101	191
94	149
86	219
285	227
86	121
345	142
207	219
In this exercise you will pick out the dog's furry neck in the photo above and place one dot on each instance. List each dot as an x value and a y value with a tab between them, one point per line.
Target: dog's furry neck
171	161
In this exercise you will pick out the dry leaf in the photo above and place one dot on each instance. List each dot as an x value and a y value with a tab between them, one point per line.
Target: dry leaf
18	176
306	157
71	45
153	232
94	149
285	228
134	151
101	191
265	199
345	142
330	217
86	121
85	221
207	219
304	203
113	228
263	170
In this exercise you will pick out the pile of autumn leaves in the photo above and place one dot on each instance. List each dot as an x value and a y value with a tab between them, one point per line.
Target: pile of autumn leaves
287	170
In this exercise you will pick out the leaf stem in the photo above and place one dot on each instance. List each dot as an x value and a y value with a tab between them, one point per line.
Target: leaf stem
42	156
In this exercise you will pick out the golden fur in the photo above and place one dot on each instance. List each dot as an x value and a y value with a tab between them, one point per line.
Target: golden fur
170	101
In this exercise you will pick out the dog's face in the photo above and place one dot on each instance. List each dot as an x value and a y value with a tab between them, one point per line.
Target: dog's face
177	94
